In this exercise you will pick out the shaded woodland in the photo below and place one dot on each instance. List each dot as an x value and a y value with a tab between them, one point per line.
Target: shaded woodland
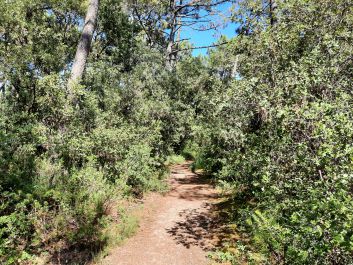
96	96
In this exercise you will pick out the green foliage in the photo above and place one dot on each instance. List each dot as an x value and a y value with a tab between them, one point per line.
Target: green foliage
281	133
269	115
63	164
174	159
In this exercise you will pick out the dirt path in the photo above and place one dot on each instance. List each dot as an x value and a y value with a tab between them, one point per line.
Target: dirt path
176	229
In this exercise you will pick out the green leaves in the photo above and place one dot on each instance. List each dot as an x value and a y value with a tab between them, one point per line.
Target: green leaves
282	132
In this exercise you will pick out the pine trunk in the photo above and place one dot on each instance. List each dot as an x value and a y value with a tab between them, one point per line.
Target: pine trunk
84	44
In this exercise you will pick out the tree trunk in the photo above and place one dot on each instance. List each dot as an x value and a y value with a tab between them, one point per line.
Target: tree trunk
171	39
170	55
273	6
235	73
84	44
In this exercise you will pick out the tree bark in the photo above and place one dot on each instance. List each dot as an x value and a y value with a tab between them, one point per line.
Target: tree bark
171	40
273	6
84	44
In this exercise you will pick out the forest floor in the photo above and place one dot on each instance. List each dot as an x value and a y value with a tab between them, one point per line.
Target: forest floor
178	228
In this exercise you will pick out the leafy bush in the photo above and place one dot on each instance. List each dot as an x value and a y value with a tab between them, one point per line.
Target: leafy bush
281	132
64	163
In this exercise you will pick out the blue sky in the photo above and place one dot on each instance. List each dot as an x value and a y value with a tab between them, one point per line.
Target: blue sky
205	38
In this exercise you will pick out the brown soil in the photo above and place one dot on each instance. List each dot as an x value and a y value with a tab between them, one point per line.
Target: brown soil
178	228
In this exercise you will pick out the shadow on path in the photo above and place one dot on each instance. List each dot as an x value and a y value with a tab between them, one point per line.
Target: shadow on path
199	226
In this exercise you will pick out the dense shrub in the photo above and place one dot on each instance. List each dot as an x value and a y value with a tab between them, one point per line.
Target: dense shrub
63	163
281	132
269	115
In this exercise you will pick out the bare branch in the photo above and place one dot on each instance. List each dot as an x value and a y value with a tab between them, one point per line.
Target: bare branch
205	47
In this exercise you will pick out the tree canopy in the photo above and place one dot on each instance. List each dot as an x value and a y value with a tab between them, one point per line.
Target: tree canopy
267	114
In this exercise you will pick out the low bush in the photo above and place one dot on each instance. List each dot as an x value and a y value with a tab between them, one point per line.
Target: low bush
281	134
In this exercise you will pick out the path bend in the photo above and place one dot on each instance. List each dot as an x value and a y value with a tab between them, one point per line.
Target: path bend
177	228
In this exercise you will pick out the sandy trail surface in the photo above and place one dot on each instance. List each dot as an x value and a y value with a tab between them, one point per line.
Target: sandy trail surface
177	228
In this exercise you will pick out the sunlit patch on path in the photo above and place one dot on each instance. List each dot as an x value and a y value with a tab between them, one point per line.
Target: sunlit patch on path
178	228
